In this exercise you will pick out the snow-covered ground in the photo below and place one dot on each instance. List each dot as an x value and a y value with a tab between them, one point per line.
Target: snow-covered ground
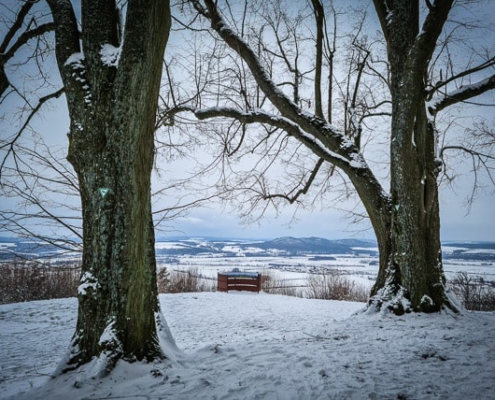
260	346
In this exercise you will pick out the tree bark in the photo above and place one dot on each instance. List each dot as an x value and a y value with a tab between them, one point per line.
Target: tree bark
112	86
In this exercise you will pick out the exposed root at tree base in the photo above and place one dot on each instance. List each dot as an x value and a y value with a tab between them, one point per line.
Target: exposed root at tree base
394	299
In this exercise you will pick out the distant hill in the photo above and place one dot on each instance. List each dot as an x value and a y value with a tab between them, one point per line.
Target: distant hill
317	245
479	251
170	249
471	245
284	246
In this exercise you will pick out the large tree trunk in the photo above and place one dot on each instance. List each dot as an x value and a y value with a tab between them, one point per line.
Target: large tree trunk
411	259
112	105
411	273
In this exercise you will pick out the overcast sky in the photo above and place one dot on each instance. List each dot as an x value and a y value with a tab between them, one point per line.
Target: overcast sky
478	225
458	221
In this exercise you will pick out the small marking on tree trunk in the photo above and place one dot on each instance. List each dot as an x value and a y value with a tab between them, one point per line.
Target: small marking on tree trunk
104	191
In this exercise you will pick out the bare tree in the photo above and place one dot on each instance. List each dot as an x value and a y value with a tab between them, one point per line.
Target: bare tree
388	79
111	74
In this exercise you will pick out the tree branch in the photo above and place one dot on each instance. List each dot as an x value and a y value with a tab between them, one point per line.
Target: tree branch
16	25
462	94
326	138
66	36
478	68
383	13
10	144
7	53
426	41
261	117
303	190
23	39
319	14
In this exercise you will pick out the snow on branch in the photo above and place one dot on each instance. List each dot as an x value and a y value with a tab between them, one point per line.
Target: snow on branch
464	93
344	161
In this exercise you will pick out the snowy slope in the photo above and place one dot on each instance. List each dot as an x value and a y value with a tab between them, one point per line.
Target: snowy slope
260	346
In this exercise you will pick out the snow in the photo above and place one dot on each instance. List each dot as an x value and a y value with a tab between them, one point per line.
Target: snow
109	335
75	60
357	164
241	345
471	87
88	281
242	252
110	55
323	148
169	245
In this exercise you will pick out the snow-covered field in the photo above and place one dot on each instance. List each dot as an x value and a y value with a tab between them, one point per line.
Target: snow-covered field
260	346
362	270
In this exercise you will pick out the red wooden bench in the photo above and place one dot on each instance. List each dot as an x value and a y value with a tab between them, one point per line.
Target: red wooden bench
237	280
